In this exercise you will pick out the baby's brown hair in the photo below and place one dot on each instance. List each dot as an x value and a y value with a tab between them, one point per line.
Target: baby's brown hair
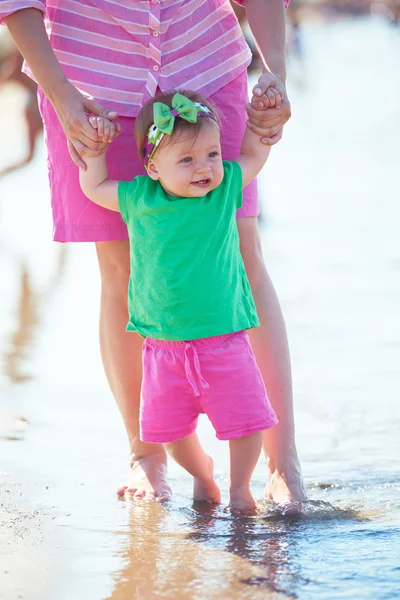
145	118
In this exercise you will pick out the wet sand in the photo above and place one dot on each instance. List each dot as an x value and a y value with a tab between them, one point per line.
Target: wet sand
330	233
28	549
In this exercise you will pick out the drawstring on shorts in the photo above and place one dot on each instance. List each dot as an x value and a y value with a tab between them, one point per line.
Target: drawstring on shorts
189	372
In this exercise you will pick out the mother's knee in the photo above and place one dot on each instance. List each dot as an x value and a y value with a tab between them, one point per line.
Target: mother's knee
113	259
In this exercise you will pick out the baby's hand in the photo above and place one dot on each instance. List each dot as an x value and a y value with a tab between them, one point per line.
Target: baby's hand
106	130
272	97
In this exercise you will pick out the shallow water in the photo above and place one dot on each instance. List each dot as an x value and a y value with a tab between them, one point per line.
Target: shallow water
330	232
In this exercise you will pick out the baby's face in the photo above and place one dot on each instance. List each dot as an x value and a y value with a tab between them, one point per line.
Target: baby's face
189	167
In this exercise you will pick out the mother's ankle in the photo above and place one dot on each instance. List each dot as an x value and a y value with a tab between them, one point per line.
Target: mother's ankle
156	455
287	467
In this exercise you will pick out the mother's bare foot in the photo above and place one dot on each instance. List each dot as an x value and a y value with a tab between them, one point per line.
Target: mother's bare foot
206	490
285	486
242	501
147	480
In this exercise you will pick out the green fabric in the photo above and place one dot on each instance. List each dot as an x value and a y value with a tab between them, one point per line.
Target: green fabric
188	279
165	120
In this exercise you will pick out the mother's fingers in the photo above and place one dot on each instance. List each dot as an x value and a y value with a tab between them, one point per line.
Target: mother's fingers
271	121
75	156
89	143
274	139
264	132
265	113
78	127
269	116
84	150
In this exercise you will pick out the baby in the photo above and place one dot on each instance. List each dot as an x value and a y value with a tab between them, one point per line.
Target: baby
190	297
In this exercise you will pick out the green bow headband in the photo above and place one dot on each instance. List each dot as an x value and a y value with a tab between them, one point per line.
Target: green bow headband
164	120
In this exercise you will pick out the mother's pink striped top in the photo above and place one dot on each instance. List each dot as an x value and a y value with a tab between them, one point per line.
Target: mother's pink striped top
120	51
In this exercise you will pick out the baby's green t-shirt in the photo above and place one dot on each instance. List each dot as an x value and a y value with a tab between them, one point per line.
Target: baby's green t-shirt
187	275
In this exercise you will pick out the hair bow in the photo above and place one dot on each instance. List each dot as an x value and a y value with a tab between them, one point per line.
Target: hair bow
164	120
164	116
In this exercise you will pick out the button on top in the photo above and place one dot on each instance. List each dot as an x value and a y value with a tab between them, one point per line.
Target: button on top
155	68
155	33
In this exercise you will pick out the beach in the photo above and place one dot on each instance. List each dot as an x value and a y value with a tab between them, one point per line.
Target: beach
329	225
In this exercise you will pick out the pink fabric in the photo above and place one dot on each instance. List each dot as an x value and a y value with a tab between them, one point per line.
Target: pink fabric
243	2
217	376
77	219
119	52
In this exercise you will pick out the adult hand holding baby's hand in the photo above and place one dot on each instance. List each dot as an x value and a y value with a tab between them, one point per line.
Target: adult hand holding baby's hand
269	109
73	107
106	129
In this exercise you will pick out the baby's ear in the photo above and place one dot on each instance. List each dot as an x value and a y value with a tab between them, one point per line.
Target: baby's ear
152	170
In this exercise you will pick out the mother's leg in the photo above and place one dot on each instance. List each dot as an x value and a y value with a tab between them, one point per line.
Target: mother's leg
270	345
122	359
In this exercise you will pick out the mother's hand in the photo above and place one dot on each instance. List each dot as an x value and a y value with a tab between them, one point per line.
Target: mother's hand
72	108
268	122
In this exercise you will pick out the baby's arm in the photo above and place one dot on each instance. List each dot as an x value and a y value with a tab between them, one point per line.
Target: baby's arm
96	185
94	181
253	156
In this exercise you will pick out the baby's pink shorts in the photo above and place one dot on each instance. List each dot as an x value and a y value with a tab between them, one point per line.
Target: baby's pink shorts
217	376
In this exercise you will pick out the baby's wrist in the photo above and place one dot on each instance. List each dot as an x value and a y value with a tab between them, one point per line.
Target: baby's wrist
95	155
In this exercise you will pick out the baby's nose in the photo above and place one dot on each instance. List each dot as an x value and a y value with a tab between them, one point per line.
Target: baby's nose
203	167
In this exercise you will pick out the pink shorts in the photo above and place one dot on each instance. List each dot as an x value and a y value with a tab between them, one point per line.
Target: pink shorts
77	219
217	376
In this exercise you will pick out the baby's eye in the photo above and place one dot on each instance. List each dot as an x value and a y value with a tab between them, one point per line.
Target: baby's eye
213	154
187	159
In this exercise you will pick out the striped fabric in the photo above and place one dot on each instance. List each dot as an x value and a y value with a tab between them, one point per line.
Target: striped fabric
120	51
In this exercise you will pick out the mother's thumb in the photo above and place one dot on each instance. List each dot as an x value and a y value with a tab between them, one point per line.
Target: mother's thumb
95	108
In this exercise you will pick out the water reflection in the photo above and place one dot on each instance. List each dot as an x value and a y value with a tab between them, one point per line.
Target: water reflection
179	550
20	339
30	304
269	546
189	554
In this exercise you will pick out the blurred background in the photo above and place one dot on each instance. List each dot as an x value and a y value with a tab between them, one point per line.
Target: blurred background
330	228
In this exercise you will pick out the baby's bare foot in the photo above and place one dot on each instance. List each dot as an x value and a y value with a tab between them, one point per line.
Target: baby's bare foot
147	480
242	501
205	489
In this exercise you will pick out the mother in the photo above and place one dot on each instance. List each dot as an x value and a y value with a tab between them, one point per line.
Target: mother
121	53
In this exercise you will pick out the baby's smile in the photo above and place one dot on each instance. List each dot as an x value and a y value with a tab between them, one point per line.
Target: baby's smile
202	182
